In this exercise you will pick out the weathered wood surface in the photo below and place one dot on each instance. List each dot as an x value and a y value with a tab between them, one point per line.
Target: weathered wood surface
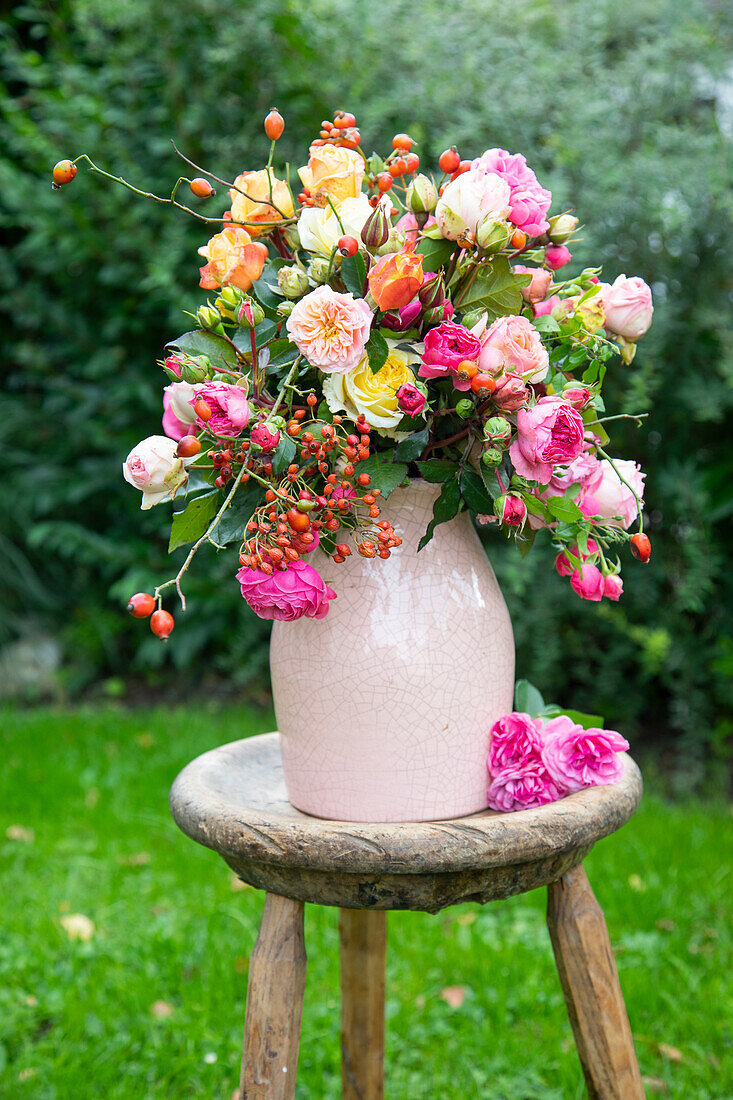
363	944
274	1003
593	995
233	800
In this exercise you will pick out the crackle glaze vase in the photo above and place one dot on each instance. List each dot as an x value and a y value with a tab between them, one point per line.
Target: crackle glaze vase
385	705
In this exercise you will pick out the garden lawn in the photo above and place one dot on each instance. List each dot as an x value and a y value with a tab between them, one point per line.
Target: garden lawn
151	1003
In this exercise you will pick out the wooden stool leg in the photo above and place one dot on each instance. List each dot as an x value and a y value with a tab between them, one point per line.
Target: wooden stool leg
363	937
593	995
274	1003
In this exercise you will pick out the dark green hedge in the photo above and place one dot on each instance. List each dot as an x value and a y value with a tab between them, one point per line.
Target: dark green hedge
623	110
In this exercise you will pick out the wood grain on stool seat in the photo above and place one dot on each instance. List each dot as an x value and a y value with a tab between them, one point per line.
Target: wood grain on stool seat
233	800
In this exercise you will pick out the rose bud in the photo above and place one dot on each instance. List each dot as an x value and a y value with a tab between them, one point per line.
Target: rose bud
375	230
577	396
250	314
266	437
432	291
613	586
286	308
511	393
511	510
422	196
561	228
497	430
539	284
293	281
492	235
410	399
230	297
492	457
194	369
464	408
557	256
641	547
172	368
395	241
208	317
319	270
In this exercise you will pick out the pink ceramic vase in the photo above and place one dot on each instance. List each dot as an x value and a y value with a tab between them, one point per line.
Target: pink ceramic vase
385	705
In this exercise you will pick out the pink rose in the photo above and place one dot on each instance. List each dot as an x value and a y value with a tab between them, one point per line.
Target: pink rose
470	199
446	346
510	393
405	317
562	562
541	309
286	594
178	416
229	409
557	255
576	395
512	510
528	201
604	494
516	743
512	344
628	307
408	225
540	283
613	586
522	789
266	437
154	468
577	758
410	399
173	364
588	582
330	329
550	434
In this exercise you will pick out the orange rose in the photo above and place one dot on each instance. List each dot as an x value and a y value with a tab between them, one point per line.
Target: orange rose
337	172
234	259
396	278
255	206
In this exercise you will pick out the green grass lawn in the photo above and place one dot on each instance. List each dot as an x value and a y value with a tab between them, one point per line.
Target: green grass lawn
152	1004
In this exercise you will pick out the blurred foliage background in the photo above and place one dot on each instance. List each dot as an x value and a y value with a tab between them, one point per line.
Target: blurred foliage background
624	111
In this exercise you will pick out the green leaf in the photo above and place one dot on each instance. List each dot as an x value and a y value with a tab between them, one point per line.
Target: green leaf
491	481
375	164
377	350
475	493
525	540
267	298
564	509
436	470
232	523
283	455
412	447
215	347
191	523
546	323
499	291
436	253
386	474
444	509
587	721
527	699
282	354
353	273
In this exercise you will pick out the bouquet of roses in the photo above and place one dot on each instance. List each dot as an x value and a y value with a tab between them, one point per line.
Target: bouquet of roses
379	324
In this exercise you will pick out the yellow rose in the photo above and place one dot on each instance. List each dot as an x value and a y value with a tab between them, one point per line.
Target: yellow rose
374	395
334	170
254	206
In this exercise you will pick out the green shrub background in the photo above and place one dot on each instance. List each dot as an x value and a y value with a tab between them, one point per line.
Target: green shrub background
625	111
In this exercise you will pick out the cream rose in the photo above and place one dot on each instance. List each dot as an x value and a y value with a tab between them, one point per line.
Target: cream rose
374	395
470	199
319	229
333	170
153	468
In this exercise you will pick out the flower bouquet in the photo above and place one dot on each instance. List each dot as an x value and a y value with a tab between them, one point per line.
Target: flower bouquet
373	328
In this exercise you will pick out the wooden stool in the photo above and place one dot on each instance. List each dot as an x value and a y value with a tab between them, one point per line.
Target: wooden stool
233	800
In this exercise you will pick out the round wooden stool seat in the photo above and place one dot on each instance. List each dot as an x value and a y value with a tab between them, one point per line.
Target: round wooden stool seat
233	800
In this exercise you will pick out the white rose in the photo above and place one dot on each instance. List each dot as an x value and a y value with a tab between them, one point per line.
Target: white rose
319	229
153	468
181	394
470	199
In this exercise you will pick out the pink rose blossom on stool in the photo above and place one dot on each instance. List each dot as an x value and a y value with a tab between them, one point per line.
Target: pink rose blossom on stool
522	789
539	284
516	743
330	329
557	255
528	201
286	594
588	582
410	399
512	344
550	434
229	409
446	346
628	306
577	758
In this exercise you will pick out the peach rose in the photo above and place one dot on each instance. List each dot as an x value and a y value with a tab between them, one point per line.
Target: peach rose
255	206
396	278
512	345
539	283
333	170
330	329
234	259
